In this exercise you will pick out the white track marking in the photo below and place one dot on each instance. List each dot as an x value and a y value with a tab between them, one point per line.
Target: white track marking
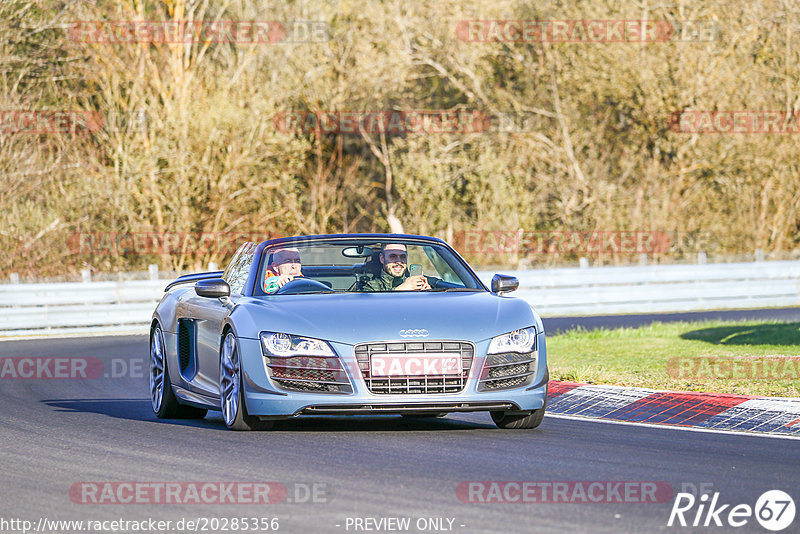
670	427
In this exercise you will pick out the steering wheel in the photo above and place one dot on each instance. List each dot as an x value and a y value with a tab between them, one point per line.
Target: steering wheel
301	285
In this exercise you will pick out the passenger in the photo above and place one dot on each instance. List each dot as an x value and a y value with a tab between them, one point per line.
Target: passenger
284	268
394	275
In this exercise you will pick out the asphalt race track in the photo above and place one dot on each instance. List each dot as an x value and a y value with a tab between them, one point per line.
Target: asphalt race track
60	433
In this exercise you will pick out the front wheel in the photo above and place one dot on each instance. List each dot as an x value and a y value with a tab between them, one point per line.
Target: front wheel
517	421
523	420
234	411
162	399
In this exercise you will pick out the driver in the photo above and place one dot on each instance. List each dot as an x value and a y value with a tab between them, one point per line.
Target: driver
284	268
394	275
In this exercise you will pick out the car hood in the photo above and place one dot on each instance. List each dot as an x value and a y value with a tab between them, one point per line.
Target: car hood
361	317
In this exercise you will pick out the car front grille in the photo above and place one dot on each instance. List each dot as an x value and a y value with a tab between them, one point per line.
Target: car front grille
312	374
415	384
507	370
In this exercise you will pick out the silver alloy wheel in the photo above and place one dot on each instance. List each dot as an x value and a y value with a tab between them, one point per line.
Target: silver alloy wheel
229	379
157	369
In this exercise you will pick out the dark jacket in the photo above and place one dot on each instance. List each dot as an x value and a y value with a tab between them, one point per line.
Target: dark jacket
384	282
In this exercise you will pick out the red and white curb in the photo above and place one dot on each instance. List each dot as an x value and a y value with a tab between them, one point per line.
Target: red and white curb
717	411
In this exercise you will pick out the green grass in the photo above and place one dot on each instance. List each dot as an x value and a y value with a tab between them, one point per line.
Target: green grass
684	357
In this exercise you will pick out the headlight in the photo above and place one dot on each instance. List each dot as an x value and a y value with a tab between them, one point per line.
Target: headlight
281	345
517	341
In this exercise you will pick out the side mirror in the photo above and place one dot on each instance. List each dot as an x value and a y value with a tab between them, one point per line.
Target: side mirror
212	288
502	283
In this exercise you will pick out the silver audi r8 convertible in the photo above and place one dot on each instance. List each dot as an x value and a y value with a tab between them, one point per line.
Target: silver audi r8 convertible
343	325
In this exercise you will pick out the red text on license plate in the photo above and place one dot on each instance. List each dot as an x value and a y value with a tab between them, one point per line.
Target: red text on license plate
415	364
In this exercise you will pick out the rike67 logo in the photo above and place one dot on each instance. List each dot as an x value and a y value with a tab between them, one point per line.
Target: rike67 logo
774	510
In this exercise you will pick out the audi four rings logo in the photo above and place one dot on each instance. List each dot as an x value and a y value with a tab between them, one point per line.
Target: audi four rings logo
414	333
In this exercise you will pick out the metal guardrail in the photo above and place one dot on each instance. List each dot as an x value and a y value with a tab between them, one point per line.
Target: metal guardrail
93	307
79	307
659	288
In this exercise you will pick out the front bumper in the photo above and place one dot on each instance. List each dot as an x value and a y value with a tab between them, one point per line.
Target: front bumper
263	398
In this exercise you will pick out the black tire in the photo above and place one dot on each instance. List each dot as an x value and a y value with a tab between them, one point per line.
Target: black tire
524	420
241	421
246	422
170	408
518	421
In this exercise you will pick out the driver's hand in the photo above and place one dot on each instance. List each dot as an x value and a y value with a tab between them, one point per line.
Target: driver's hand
283	279
414	283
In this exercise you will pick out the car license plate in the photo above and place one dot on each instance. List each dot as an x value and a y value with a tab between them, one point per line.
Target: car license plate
415	364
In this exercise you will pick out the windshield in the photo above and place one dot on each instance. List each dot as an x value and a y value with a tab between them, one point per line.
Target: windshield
362	266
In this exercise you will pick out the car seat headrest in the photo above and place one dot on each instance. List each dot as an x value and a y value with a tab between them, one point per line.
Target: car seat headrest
373	266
